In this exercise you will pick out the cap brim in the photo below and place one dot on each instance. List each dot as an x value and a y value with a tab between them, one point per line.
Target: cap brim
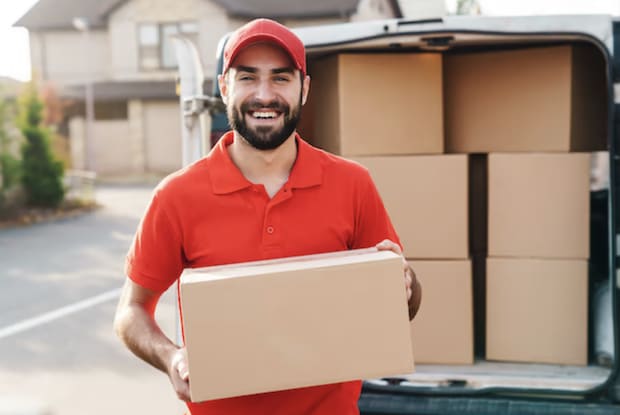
257	38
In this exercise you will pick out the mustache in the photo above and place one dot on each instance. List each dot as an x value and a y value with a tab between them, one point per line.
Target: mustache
255	105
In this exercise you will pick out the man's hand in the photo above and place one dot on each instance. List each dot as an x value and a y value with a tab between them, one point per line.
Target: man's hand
179	374
412	286
135	324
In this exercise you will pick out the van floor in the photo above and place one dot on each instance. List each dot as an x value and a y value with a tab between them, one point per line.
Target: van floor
485	374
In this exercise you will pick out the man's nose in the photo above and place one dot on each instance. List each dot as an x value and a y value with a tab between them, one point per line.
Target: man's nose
264	91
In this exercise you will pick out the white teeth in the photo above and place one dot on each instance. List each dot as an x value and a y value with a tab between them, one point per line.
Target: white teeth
265	114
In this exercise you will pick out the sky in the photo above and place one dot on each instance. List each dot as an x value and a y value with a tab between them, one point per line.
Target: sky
15	54
14	49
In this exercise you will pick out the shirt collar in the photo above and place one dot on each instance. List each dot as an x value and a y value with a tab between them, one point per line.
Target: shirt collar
308	168
227	178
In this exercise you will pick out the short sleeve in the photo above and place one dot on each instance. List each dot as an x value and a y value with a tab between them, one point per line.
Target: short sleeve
372	222
155	258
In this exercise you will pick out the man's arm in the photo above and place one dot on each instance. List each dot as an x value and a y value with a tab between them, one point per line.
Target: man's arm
135	324
416	292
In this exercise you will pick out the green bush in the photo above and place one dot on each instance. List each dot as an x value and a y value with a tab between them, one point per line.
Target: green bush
41	174
10	170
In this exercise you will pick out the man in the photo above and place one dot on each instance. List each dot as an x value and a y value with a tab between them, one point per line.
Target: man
261	193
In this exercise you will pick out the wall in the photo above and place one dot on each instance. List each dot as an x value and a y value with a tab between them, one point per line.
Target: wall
109	154
67	57
36	55
423	9
162	130
149	141
123	27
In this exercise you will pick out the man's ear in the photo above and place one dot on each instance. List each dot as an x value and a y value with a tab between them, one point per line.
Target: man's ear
305	89
223	84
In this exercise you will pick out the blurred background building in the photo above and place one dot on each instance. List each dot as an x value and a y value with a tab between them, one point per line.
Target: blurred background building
113	65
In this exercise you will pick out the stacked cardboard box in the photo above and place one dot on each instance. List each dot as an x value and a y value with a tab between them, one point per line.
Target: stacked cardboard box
442	332
506	189
538	228
429	207
537	310
529	112
548	99
371	104
393	125
429	212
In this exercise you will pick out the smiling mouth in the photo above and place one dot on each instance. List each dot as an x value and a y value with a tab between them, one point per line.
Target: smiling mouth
264	115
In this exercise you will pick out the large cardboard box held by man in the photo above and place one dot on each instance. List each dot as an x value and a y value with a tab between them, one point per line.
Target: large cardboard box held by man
539	205
427	199
537	310
537	99
283	324
378	104
442	332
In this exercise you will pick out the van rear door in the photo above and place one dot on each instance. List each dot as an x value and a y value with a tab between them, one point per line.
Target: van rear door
488	386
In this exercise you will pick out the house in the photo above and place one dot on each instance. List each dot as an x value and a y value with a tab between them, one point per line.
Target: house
119	52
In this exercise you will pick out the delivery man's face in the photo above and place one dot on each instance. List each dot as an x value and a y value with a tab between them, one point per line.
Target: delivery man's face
264	93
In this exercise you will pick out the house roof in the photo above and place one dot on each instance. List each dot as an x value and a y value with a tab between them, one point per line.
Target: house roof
59	14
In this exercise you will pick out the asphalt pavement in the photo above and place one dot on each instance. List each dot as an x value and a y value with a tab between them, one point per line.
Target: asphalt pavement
59	285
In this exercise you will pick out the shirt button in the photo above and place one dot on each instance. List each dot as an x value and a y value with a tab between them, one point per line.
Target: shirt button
270	230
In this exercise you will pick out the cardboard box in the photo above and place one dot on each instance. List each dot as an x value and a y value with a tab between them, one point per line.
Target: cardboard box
539	205
537	311
377	104
426	198
442	331
538	99
283	324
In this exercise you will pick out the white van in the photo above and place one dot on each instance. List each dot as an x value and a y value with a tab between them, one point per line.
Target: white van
484	91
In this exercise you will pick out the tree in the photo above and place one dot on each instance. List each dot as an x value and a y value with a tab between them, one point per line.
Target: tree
42	174
9	164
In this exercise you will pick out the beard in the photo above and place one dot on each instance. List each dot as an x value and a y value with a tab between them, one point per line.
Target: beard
263	137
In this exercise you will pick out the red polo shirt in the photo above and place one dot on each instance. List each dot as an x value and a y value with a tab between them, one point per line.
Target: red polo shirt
210	214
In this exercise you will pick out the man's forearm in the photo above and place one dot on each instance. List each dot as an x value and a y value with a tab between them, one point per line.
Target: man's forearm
138	330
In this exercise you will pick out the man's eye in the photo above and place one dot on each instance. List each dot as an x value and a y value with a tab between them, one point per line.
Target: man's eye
245	78
281	79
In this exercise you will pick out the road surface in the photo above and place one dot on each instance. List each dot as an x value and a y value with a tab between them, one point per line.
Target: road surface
59	285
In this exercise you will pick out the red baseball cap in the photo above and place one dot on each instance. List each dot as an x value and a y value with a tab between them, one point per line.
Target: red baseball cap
265	30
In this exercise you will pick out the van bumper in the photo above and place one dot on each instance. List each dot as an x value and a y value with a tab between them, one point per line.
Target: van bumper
388	404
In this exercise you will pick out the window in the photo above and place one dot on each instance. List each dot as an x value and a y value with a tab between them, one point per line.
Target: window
156	46
149	46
